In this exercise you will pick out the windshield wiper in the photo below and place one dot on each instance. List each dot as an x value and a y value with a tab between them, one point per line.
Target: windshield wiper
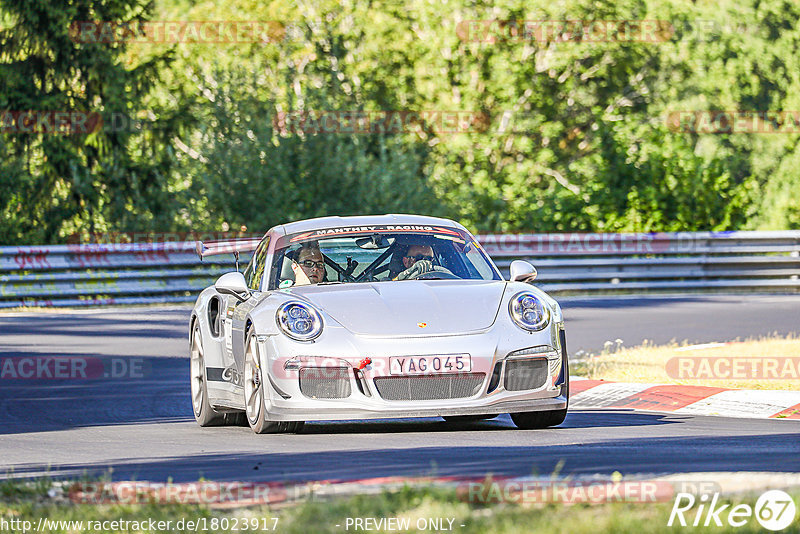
331	283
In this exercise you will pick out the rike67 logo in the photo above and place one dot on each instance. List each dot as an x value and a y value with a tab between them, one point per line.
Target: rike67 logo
774	510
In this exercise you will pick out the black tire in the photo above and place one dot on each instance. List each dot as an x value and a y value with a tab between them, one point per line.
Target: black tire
236	419
538	420
254	396
204	414
467	418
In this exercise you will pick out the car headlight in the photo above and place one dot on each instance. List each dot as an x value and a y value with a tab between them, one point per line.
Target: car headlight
529	311
299	321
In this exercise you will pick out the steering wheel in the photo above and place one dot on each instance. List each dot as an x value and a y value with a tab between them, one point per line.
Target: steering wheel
437	272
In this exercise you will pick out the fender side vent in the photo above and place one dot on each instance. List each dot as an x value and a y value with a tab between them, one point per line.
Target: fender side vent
494	381
361	383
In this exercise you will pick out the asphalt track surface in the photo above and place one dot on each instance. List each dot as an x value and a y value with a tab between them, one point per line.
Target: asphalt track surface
141	427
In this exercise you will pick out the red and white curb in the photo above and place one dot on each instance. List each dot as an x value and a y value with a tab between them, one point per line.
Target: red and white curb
680	399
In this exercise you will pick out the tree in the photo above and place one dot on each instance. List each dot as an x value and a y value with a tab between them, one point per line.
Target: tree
248	172
80	180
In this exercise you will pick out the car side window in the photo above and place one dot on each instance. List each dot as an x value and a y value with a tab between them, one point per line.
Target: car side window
248	271
255	271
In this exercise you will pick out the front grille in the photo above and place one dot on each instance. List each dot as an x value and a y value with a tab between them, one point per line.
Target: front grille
325	382
525	374
429	387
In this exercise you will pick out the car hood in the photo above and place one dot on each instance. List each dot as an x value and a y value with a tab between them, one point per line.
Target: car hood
409	308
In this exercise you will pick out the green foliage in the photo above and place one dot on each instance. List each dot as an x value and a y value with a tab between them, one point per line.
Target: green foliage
87	181
246	172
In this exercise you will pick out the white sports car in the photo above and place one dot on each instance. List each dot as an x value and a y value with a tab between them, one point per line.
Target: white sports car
374	317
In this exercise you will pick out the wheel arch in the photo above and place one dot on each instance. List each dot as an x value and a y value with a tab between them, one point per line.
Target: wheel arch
192	323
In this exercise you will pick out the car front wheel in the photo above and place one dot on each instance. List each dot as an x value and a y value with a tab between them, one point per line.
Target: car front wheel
204	414
255	395
536	420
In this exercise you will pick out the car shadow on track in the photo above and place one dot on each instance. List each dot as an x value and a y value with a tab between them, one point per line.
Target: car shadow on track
575	419
631	454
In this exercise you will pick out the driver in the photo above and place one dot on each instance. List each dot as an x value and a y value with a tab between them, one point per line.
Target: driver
308	265
417	260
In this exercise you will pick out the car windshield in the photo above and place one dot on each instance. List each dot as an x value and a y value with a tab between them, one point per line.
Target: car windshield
378	254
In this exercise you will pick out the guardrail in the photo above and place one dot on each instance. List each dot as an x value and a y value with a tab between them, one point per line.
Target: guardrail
655	262
103	274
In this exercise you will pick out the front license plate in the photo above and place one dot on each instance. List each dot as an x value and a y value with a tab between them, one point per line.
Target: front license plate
418	365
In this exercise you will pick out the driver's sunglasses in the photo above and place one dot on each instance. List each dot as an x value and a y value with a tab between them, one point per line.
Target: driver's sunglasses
312	264
419	257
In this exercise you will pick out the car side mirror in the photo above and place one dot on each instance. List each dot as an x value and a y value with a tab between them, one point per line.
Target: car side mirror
522	271
233	284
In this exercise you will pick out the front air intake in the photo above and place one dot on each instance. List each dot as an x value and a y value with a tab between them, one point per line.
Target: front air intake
325	382
525	374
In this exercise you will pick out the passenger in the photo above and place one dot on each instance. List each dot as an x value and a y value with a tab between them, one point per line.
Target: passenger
309	265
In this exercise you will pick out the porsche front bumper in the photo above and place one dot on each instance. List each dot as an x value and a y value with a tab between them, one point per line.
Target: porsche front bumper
282	360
